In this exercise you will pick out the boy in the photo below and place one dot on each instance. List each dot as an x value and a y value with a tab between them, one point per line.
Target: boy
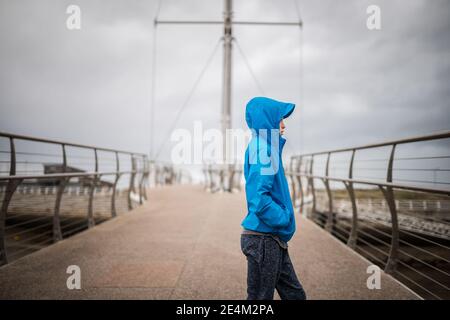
270	221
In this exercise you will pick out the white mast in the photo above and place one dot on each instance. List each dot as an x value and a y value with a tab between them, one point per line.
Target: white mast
226	90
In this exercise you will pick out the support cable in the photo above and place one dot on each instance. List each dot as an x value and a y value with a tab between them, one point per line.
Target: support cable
244	57
183	106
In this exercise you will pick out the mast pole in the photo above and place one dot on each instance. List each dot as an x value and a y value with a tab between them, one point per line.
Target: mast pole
226	90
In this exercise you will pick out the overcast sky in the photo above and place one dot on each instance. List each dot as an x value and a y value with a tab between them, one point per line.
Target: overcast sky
355	86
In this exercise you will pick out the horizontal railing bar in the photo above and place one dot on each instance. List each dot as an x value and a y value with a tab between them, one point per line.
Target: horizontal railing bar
384	169
400	210
31	138
340	236
366	234
29	248
25	171
74	230
424	263
341	232
373	221
424	275
378	160
424	251
369	221
423	158
36	236
371	255
374	183
369	235
320	218
368	244
42	154
368	160
24	223
418	285
418	169
423	181
435	136
38	227
28	230
74	223
341	229
67	175
425	239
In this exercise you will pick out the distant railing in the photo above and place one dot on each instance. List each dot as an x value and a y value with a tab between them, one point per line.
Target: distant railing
219	177
44	172
168	174
379	216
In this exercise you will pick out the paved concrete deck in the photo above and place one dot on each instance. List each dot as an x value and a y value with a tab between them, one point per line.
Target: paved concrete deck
184	244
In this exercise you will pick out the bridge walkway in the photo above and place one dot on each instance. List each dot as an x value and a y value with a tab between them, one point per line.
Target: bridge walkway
184	243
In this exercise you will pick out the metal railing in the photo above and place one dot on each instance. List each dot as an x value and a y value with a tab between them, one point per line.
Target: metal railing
219	177
379	216
168	174
26	221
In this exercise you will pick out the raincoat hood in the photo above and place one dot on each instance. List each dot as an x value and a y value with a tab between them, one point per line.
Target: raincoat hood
266	113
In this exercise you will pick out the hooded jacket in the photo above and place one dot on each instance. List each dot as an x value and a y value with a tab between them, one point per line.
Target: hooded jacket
268	199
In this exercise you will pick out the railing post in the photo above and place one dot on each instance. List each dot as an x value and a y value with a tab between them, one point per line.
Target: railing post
131	186
154	174
233	174
330	218
151	172
157	173
211	178
353	237
230	174
299	179
210	181
205	184
146	176
240	173
114	191
141	182
57	234
222	176
93	184
388	193
160	175
10	188
291	175
311	183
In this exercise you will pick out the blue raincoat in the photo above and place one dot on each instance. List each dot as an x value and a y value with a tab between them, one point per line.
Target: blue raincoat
268	199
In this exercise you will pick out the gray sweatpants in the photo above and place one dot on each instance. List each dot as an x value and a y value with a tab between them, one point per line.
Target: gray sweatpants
269	268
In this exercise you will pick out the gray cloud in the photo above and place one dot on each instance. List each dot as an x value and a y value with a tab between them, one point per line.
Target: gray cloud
93	85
